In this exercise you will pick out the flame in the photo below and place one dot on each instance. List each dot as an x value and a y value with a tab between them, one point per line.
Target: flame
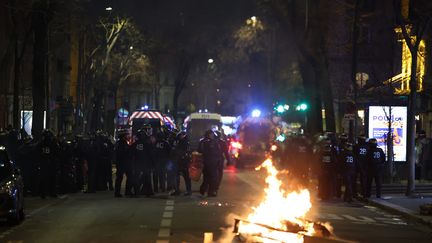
272	218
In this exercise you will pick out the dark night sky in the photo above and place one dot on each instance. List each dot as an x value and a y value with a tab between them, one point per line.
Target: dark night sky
196	15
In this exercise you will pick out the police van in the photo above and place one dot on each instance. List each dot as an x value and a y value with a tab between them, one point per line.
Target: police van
197	123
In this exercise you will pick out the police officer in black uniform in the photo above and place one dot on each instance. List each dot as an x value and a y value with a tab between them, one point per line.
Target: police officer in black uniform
223	145
92	157
348	167
300	167
210	149
182	155
142	151
48	150
360	152
376	159
328	166
161	154
123	164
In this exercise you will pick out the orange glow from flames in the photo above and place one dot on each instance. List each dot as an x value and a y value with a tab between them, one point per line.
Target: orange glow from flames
278	207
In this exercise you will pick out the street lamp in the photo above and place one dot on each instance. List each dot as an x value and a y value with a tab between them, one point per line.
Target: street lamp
108	8
210	60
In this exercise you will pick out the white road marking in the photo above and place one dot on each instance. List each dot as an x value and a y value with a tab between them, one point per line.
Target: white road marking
169	208
332	216
167	215
359	218
166	222
170	202
164	232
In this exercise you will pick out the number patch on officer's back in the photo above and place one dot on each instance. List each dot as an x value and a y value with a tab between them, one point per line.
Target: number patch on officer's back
349	159
140	146
160	145
362	151
377	155
46	150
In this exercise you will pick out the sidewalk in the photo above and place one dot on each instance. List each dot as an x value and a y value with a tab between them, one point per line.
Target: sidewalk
406	206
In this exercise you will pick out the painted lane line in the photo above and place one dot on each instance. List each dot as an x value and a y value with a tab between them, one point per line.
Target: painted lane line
166	222
164	232
167	215
170	202
359	218
169	208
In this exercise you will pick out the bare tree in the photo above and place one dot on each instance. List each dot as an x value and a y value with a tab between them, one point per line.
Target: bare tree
413	28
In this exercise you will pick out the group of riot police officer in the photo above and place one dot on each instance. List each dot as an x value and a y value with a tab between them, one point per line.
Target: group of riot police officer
152	163
214	150
344	163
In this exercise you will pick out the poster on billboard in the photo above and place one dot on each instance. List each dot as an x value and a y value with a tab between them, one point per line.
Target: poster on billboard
379	118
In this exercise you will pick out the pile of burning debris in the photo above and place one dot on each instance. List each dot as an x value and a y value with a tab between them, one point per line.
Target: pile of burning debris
280	216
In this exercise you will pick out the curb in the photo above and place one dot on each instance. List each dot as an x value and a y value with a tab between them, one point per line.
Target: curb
407	213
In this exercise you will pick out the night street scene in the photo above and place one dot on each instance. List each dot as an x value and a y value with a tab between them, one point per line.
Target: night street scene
215	121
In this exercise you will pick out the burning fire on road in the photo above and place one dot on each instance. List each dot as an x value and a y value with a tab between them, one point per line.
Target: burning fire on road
280	216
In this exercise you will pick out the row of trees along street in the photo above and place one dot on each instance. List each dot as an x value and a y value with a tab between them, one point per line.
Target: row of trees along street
284	52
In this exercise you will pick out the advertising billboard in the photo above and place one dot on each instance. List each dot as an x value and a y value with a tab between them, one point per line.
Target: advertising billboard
379	118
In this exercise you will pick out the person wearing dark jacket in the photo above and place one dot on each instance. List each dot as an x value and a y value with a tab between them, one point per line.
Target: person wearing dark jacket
161	154
142	152
360	152
328	170
210	149
48	151
123	164
182	155
376	160
348	169
92	157
223	145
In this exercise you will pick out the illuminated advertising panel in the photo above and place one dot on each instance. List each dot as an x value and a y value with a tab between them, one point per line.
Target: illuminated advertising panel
379	117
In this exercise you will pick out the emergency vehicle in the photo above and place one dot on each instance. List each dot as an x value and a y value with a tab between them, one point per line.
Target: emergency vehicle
152	117
255	137
197	123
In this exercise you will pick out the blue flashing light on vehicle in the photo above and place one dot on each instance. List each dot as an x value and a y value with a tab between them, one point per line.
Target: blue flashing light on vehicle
256	113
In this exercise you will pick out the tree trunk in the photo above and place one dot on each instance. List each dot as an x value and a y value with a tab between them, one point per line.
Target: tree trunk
311	86
39	66
16	86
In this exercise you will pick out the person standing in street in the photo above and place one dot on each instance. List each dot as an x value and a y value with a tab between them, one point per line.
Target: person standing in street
360	152
223	145
161	154
142	151
348	167
123	164
92	157
327	170
376	159
47	150
182	156
210	149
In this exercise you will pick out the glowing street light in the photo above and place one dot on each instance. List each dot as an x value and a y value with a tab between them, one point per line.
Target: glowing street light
210	60
108	8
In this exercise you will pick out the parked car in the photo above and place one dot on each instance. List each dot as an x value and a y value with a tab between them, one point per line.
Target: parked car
11	190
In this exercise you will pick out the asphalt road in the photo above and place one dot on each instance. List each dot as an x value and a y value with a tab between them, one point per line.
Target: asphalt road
102	218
